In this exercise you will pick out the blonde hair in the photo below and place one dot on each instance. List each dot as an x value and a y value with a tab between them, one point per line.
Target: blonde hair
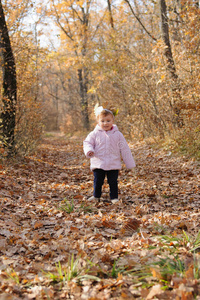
105	112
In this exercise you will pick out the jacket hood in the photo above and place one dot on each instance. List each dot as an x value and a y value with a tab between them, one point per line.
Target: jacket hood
114	128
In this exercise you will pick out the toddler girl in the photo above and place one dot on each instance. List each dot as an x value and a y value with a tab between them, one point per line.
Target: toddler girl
105	146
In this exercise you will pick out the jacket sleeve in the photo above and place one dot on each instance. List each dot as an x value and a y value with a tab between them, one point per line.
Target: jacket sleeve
89	143
126	153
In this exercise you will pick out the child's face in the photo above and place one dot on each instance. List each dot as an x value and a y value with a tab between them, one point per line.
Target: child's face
106	122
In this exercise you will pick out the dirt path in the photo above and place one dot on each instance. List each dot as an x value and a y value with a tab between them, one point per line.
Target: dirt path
54	244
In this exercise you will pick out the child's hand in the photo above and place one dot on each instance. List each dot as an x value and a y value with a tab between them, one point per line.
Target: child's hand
90	154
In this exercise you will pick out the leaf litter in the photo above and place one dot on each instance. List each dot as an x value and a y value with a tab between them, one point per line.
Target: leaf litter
55	244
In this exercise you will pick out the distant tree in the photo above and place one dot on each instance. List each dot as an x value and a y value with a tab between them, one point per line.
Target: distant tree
170	63
9	93
74	20
110	12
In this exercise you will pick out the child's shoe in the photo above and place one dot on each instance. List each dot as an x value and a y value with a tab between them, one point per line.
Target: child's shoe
94	199
114	201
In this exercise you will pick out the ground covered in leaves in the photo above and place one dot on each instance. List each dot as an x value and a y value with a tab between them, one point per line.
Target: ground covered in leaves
54	244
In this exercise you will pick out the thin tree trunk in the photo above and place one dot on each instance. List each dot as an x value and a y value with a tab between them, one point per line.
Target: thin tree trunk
170	64
165	36
196	3
9	86
83	85
110	12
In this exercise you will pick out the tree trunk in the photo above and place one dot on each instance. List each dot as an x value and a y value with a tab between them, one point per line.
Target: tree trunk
196	3
170	64
9	86
110	12
83	88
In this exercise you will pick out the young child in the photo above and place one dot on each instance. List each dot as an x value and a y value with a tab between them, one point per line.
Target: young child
105	146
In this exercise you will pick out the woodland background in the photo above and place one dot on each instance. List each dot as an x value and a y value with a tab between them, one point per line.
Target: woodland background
139	58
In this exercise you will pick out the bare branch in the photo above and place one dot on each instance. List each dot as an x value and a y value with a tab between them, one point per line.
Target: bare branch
149	34
110	12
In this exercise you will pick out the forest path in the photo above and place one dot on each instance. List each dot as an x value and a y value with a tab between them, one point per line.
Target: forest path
46	220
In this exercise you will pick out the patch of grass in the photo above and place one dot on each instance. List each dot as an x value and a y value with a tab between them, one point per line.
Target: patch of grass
141	274
53	277
188	141
196	268
64	274
72	271
184	141
173	264
67	206
191	243
169	263
167	196
190	148
138	273
87	209
73	268
159	228
14	276
49	134
115	270
169	266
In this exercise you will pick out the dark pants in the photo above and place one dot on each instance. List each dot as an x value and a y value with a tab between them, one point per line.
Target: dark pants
99	176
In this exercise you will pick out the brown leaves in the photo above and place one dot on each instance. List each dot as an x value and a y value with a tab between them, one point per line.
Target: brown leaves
38	225
108	223
45	218
131	226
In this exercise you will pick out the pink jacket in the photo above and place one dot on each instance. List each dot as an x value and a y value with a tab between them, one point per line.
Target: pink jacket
108	147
